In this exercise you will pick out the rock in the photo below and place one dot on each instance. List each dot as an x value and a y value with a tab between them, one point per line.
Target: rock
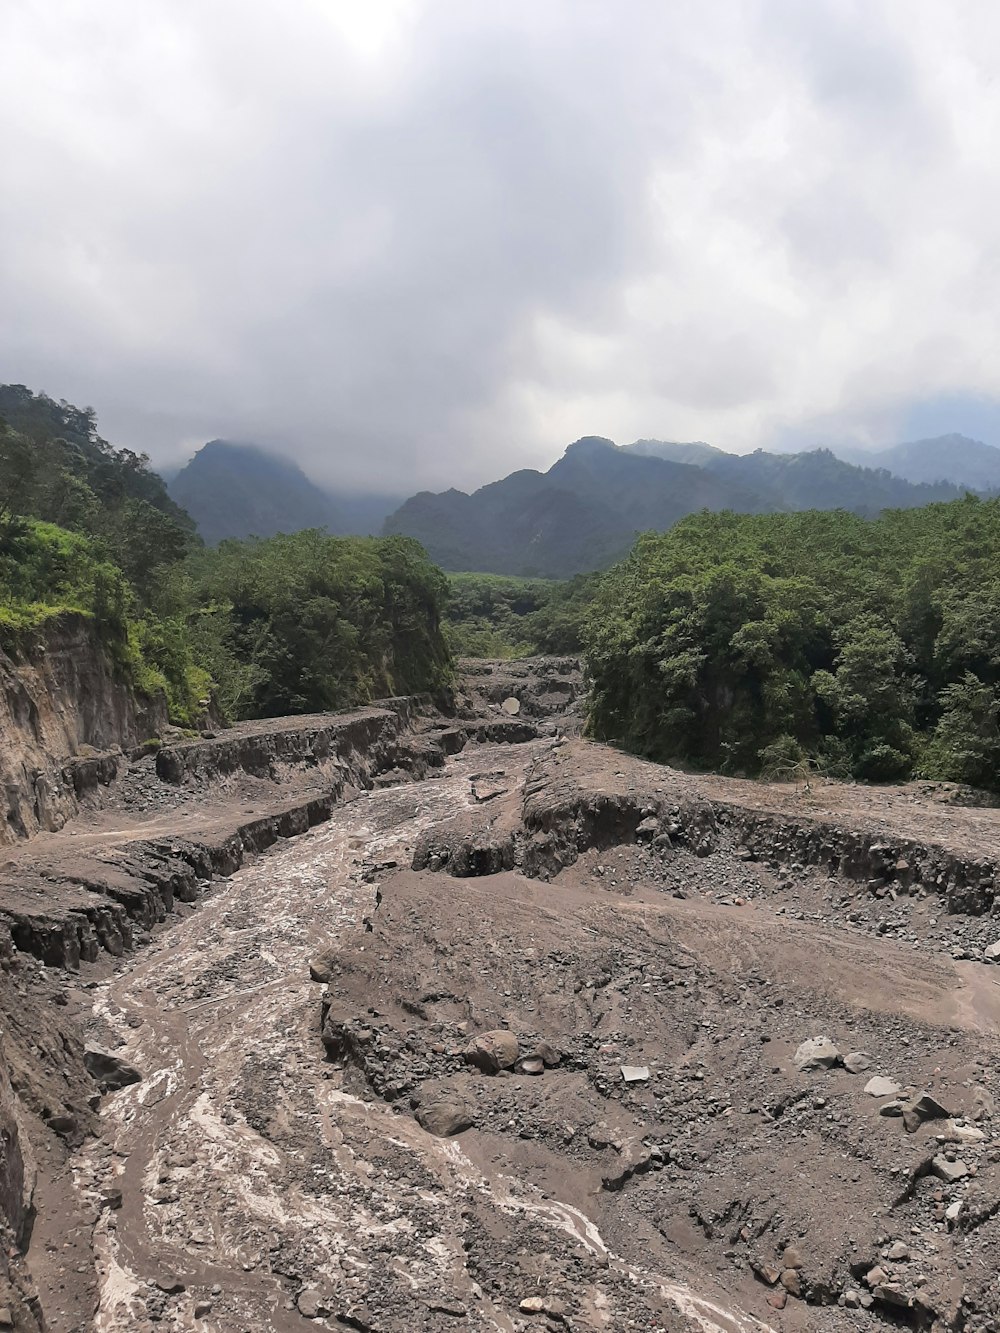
897	1251
169	1284
493	1051
920	1108
647	830
549	1056
952	1211
635	1073
891	1293
6	1318
63	1124
957	1133
875	1276
791	1281
777	1300
511	706
894	1108
880	1086
310	1304
320	969
444	1114
532	1305
856	1062
767	1273
530	1064
108	1071
949	1172
992	951
791	1258
816	1053
202	1309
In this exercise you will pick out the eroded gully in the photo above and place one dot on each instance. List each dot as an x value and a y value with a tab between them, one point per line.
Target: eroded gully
255	1193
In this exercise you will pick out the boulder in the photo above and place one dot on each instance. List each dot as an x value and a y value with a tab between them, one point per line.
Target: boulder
880	1086
856	1062
949	1172
922	1107
493	1051
444	1114
549	1056
816	1053
108	1072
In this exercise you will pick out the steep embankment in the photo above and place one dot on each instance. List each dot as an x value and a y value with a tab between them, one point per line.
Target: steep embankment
66	716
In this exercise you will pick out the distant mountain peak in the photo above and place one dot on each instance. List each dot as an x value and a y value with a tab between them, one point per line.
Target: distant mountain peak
585	512
235	488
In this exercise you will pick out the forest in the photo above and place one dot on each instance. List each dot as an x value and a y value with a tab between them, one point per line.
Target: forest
502	616
778	643
752	644
289	624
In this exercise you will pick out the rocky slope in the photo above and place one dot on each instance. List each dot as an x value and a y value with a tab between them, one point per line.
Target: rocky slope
65	719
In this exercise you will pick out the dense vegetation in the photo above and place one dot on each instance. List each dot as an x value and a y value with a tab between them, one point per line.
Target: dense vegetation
750	642
310	622
585	512
290	624
490	615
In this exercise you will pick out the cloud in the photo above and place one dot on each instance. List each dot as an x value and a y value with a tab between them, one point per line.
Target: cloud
423	243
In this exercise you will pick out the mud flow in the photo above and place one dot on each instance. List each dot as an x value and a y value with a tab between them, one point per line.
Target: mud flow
555	1039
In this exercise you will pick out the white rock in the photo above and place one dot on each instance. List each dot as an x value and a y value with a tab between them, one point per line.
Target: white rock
880	1086
816	1053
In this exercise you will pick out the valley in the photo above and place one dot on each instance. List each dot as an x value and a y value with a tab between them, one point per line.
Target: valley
464	1022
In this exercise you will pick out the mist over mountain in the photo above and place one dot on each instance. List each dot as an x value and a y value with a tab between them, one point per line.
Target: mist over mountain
816	479
238	490
956	458
584	512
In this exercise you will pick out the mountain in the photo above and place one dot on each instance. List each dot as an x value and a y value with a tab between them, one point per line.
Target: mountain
955	458
697	451
585	511
814	480
582	514
239	490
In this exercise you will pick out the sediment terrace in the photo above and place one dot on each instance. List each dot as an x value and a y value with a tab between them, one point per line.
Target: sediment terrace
520	1044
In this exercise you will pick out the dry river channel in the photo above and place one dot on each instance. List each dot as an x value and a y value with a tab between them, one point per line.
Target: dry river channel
256	1193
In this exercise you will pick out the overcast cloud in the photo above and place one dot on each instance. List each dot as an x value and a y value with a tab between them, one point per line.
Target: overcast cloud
422	244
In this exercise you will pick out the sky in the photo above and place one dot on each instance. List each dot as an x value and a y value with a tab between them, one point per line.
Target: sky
421	243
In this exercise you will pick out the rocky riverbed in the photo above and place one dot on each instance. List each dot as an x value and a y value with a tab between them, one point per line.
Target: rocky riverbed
549	1038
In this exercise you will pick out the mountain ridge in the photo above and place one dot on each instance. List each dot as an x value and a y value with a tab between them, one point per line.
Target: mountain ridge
586	510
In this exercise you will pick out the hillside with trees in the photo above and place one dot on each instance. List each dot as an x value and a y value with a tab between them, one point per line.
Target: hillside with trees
288	624
751	643
588	508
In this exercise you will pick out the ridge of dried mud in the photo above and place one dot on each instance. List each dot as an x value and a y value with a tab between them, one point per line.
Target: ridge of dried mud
270	1169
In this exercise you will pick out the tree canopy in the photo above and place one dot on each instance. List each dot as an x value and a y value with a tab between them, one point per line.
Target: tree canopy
870	648
292	624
